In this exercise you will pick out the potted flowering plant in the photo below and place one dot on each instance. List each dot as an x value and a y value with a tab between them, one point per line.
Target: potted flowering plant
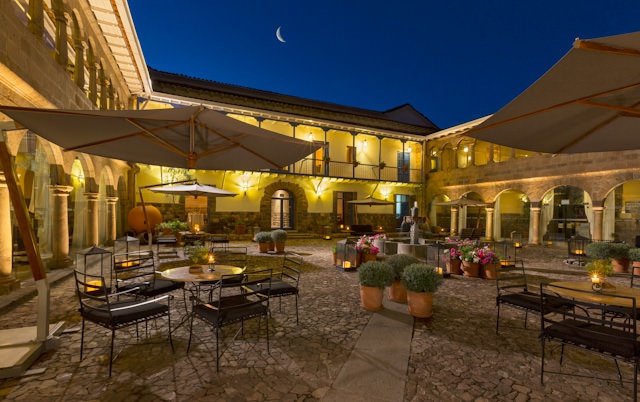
455	260
381	165
470	259
365	246
378	241
490	262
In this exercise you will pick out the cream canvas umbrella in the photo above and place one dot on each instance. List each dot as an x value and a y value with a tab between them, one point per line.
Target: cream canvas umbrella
589	101
192	189
191	137
370	201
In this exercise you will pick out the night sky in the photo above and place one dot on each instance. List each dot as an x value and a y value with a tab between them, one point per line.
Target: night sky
454	60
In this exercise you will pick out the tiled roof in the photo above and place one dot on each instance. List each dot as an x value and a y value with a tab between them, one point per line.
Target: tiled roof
402	119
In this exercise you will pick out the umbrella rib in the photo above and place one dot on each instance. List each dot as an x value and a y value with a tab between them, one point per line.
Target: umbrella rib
235	145
158	140
604	123
623	109
552	107
598	47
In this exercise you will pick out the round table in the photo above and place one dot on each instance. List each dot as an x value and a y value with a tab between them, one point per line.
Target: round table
183	274
583	291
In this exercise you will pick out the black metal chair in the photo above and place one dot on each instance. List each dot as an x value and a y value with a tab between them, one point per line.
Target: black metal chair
236	302
605	326
285	283
99	306
137	271
513	291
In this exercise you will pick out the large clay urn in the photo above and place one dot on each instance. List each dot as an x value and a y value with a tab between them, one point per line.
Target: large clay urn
397	292
371	298
420	304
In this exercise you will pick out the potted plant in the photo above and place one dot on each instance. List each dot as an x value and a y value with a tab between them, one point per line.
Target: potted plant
355	163
470	259
455	260
397	291
172	227
617	252
279	237
263	239
634	257
326	160
421	282
599	270
374	276
381	165
198	254
490	262
241	227
367	250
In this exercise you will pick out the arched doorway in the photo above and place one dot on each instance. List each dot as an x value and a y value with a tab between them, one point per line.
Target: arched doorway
282	210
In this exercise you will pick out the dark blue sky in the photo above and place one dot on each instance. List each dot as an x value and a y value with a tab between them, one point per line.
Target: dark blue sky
453	60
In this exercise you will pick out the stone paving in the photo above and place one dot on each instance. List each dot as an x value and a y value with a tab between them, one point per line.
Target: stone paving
455	355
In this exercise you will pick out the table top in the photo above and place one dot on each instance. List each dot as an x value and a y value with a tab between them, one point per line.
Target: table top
182	274
604	296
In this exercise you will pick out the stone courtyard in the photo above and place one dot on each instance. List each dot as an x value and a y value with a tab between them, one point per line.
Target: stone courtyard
455	355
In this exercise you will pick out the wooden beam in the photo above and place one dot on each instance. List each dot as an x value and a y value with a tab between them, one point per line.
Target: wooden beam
22	216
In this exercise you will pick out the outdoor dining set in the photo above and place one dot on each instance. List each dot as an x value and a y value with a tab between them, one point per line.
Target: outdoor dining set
224	292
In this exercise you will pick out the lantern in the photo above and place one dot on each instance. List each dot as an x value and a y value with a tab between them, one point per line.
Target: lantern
576	247
95	261
346	255
507	251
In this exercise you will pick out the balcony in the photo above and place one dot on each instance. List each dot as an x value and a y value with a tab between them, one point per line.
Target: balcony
346	170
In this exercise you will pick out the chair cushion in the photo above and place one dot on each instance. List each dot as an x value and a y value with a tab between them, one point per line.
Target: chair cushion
128	315
158	287
278	288
234	309
594	336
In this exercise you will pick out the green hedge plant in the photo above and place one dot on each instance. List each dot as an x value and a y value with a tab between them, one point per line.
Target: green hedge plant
399	261
421	278
376	274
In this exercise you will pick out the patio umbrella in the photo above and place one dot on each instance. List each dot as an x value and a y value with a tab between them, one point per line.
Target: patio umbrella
191	137
462	202
195	189
370	202
589	101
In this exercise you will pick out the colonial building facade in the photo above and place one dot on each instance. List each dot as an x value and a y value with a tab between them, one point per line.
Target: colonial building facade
85	54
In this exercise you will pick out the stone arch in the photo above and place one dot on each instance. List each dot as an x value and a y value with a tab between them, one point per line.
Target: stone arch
512	213
299	196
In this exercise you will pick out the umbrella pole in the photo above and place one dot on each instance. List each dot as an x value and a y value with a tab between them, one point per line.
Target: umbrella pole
29	239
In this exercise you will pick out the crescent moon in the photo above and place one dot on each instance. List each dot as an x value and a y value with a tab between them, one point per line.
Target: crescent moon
279	35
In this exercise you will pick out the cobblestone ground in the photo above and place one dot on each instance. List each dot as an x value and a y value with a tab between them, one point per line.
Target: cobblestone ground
456	355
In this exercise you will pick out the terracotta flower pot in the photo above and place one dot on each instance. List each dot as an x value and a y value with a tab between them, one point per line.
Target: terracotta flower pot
264	247
397	292
371	298
420	304
471	269
369	257
636	267
620	266
280	247
453	266
491	271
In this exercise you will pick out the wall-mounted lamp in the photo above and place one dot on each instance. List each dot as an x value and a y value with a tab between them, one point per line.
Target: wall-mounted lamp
385	193
310	137
409	149
364	144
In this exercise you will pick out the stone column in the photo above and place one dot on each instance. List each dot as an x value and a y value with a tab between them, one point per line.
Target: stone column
489	226
535	225
111	219
91	224
454	221
598	216
60	227
8	281
78	74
